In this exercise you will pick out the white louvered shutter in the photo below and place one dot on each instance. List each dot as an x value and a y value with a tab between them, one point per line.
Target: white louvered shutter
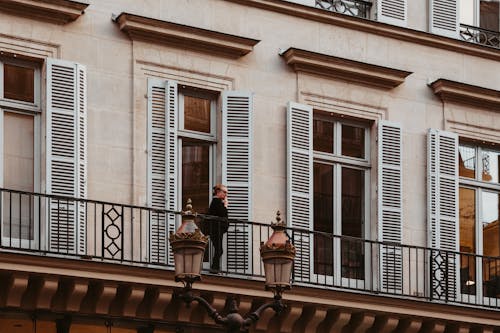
236	174
300	185
66	155
393	12
390	208
443	18
442	200
162	165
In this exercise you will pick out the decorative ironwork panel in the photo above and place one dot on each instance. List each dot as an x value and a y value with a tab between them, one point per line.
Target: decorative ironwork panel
480	36
112	236
443	275
357	8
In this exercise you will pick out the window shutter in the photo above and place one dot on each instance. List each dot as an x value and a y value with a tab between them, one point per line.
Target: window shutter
442	198
66	154
162	165
390	208
393	12
300	184
443	18
236	175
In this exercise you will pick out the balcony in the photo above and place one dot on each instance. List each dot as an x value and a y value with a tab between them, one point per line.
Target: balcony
95	231
481	36
357	8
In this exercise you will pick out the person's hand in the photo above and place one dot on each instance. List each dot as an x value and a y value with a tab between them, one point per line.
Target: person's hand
226	202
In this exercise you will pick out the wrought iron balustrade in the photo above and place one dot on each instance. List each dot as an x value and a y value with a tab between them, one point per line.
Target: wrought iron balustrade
81	229
357	8
478	35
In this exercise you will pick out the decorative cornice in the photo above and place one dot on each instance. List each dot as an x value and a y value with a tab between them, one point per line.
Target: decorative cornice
56	11
462	93
183	36
377	28
344	69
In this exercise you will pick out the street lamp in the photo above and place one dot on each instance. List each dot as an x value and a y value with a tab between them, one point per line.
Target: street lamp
188	245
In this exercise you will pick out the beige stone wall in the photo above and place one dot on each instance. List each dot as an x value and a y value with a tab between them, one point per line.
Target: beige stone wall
118	69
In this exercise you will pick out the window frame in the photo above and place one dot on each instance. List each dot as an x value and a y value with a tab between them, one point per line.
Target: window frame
338	162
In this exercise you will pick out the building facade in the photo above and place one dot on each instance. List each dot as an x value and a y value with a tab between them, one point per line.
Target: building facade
373	126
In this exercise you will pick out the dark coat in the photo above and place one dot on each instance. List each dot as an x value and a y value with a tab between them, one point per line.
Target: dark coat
217	222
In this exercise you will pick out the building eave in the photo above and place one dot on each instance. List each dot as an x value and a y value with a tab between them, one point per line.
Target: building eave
466	94
54	11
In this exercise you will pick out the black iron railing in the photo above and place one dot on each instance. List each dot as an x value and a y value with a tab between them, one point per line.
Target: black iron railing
480	36
81	229
358	8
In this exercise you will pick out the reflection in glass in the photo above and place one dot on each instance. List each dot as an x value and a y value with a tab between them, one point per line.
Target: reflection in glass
323	218
323	136
467	211
196	174
353	141
467	161
489	11
491	166
491	243
197	114
18	167
19	83
352	223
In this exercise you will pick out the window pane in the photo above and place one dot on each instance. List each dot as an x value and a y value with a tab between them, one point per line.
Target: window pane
196	174
197	114
323	136
467	12
353	189
18	164
489	15
467	210
467	161
353	141
323	218
19	83
491	166
491	244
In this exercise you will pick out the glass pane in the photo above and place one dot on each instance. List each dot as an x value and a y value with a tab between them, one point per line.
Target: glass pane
467	12
491	244
467	161
353	141
467	210
491	166
353	189
18	164
323	136
489	13
197	114
196	174
323	218
19	83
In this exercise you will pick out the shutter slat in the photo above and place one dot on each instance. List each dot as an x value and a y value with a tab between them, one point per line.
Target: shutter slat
300	184
442	198
236	175
390	208
66	154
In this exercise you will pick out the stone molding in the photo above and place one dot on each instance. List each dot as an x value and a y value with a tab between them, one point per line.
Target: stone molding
373	27
55	11
466	94
183	36
344	69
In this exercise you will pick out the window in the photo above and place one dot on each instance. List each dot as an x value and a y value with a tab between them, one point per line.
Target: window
341	180
198	138
20	115
480	13
479	210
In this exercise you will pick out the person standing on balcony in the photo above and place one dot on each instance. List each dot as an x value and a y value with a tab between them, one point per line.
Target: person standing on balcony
218	224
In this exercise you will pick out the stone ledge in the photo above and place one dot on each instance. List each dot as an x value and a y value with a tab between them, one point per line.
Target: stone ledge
55	11
467	94
183	36
344	69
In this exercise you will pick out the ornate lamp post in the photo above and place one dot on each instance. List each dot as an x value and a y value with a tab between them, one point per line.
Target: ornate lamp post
188	245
